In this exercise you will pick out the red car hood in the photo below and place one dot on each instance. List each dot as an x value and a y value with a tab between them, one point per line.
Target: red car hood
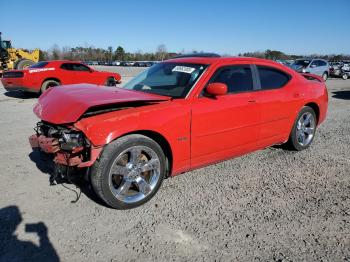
66	104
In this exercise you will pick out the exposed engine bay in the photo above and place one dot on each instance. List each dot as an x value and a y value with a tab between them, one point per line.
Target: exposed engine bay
69	145
70	148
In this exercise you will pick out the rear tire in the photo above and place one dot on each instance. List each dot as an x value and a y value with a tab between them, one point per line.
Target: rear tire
24	63
345	76
304	129
47	84
118	166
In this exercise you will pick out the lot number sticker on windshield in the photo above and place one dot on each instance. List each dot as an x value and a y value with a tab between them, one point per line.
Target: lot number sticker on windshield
183	69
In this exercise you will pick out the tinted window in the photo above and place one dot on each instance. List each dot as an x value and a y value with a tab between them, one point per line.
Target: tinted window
314	63
75	67
237	78
39	65
321	63
80	67
271	78
301	62
67	66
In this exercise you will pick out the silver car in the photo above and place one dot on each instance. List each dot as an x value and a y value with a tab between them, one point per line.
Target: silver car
312	66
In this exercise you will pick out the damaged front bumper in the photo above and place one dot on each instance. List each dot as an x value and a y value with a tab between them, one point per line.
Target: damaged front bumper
69	147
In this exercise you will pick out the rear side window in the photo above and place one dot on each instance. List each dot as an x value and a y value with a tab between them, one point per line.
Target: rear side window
237	78
271	78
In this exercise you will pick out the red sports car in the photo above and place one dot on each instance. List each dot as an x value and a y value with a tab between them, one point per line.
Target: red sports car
39	77
176	116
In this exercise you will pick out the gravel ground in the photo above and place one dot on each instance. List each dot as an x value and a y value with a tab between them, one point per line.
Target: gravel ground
271	205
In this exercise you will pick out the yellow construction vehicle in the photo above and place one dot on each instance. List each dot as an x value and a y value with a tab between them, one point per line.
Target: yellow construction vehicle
13	58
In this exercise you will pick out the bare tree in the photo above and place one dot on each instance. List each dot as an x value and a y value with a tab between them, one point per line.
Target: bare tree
67	53
55	52
161	52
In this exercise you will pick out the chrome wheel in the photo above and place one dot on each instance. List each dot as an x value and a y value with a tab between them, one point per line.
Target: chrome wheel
134	174
305	129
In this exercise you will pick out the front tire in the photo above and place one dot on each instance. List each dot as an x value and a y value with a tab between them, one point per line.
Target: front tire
345	76
129	172
110	81
304	129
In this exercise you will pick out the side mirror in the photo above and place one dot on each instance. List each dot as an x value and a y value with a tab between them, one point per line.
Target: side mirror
313	66
216	89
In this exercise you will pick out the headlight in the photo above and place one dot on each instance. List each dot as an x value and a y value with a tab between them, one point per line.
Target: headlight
69	141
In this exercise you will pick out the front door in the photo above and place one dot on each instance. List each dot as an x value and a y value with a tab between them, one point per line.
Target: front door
82	74
225	126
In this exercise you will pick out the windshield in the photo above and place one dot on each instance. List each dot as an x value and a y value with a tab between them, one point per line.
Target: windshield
167	79
39	65
302	62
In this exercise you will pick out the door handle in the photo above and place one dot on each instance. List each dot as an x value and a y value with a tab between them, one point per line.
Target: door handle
251	101
297	95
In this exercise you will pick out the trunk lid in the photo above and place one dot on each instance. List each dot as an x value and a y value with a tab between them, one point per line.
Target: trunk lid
66	104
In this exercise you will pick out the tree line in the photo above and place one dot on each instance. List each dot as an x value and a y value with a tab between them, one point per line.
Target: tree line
119	54
278	55
104	55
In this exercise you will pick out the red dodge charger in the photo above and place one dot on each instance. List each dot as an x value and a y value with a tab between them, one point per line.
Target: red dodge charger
39	77
176	116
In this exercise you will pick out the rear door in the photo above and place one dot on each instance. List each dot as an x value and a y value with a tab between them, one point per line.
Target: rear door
225	126
275	103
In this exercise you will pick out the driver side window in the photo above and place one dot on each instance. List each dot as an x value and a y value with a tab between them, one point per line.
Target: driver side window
238	78
67	66
80	67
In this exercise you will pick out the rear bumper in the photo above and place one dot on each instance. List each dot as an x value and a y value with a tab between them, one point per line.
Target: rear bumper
17	84
20	88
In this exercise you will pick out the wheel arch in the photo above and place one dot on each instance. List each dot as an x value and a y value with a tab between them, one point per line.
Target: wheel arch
50	78
316	109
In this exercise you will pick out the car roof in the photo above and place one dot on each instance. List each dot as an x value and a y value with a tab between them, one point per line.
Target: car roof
59	62
213	60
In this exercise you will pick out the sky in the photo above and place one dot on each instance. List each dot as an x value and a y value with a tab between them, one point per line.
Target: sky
221	26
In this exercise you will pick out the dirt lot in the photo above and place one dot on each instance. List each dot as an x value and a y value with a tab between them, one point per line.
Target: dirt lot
272	205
